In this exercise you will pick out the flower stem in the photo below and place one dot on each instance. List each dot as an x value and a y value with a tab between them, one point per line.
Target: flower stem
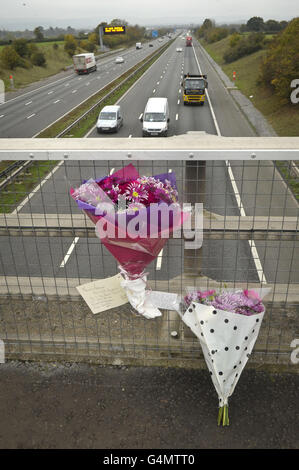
220	415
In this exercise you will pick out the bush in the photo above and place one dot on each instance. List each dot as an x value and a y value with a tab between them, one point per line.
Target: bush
10	58
38	58
245	46
21	47
55	46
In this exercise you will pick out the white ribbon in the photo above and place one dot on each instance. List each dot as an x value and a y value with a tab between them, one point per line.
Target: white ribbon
138	296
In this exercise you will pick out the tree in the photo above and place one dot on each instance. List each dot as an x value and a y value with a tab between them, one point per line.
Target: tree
38	33
70	44
21	47
281	64
10	58
256	23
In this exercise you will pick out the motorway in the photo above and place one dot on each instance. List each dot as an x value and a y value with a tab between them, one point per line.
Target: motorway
29	113
230	188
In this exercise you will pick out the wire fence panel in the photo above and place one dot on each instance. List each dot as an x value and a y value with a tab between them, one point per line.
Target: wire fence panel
49	247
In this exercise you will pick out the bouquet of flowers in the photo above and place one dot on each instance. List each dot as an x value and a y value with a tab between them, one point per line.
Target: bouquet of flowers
134	217
227	325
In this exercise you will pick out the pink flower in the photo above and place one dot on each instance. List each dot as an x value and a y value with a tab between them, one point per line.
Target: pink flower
251	294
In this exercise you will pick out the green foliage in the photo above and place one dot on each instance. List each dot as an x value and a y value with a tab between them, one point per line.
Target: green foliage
10	58
244	46
256	23
38	58
21	47
216	34
234	39
38	33
281	63
70	44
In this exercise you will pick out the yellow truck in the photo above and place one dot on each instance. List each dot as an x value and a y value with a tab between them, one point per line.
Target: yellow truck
194	88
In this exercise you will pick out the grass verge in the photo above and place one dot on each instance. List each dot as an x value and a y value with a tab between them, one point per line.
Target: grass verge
283	119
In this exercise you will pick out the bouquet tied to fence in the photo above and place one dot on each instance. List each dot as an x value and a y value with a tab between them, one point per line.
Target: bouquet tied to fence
134	217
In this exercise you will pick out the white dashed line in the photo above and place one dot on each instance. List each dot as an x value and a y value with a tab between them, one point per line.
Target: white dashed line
176	117
31	115
178	101
154	91
50	92
74	91
69	252
57	101
2	115
29	102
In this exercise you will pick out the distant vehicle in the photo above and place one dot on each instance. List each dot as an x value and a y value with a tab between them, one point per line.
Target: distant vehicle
155	118
110	119
119	60
194	88
179	49
150	45
84	63
188	41
138	45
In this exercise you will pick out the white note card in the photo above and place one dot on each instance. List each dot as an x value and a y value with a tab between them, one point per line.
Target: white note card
103	294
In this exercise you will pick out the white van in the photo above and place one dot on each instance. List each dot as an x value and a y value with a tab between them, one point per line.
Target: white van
110	119
155	118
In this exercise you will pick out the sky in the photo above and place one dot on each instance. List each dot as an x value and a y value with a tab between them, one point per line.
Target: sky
22	14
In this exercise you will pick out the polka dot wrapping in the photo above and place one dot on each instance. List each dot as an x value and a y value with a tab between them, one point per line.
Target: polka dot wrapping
227	340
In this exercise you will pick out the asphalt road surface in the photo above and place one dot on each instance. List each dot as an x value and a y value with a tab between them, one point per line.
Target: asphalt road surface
29	113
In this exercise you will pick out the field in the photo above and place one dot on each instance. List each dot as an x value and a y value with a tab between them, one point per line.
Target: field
284	119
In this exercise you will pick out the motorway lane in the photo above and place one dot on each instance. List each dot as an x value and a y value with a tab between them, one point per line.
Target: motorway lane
30	113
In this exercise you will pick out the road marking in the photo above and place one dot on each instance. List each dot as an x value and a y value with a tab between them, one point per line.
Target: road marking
159	260
57	101
176	117
69	252
29	102
31	115
140	116
178	101
2	115
180	90
29	196
67	84
154	91
254	252
158	83
50	92
80	78
74	91
130	136
88	83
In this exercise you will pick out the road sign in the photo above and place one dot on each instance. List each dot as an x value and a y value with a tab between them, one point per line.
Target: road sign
154	34
114	30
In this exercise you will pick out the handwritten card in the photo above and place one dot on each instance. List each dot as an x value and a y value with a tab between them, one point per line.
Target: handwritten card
103	294
165	300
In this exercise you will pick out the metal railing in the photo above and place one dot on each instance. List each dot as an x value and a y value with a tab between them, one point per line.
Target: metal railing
48	247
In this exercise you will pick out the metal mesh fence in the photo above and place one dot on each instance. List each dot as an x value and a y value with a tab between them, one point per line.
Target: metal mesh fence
48	247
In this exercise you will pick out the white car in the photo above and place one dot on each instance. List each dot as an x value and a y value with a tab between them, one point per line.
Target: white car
179	49
119	60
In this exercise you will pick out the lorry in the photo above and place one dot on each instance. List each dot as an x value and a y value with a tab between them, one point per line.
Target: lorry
138	45
84	63
194	88
188	41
